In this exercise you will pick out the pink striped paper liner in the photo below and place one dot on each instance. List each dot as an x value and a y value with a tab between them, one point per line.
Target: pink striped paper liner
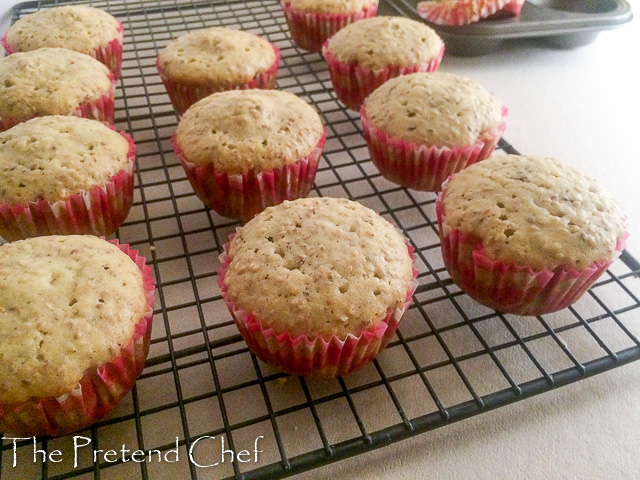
313	356
99	390
99	211
420	166
509	287
463	12
110	55
310	30
244	195
353	83
183	95
102	109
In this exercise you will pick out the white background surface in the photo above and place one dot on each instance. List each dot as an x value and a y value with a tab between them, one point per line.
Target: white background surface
581	106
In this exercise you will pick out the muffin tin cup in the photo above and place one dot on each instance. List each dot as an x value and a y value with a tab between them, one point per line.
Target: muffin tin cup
310	30
353	83
242	196
463	12
110	55
98	211
420	166
99	390
183	95
509	287
101	109
313	356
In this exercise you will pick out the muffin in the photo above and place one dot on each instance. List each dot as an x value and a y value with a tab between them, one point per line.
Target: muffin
75	27
364	55
421	128
54	81
244	150
312	22
200	63
527	235
317	286
75	326
64	175
462	12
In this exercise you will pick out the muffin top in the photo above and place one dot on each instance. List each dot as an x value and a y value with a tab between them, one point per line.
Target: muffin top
67	303
219	55
239	130
80	28
49	81
380	42
537	212
440	109
319	266
330	6
54	157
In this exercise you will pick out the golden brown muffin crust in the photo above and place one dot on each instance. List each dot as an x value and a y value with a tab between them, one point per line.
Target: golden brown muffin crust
533	211
319	266
330	6
67	303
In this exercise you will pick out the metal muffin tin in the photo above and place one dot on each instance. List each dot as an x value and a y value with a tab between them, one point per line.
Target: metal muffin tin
557	23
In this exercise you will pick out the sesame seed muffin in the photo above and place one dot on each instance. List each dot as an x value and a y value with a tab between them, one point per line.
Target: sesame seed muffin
75	325
317	286
312	22
527	235
463	12
365	54
64	175
244	150
421	128
79	28
54	81
216	59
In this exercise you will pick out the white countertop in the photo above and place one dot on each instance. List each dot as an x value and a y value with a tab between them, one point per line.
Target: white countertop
580	106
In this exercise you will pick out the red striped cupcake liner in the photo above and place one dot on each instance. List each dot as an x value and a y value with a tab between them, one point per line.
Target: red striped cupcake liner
420	166
110	55
99	390
313	356
98	211
242	196
183	95
310	30
463	12
102	109
353	83
509	287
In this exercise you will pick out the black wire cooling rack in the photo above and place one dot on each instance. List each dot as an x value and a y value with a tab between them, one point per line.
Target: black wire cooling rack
451	358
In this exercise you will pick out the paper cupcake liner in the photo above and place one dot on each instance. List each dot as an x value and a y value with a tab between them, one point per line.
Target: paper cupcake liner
244	195
110	55
420	166
98	211
353	83
463	12
183	95
314	356
509	287
99	390
310	30
101	109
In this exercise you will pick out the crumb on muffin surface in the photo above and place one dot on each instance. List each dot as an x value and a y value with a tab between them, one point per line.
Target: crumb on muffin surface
440	109
240	130
380	42
319	266
216	54
57	156
67	303
533	211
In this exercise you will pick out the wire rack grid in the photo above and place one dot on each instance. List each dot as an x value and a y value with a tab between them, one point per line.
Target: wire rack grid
450	359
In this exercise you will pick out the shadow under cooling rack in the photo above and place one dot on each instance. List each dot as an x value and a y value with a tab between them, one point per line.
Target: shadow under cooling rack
451	358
